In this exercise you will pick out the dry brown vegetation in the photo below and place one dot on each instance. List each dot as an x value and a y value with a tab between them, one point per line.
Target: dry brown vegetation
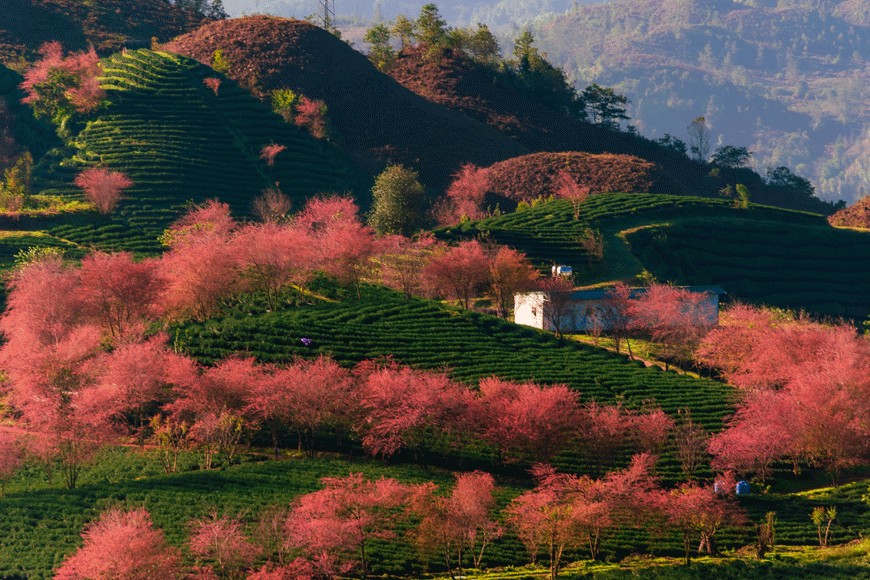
530	176
107	24
854	216
374	116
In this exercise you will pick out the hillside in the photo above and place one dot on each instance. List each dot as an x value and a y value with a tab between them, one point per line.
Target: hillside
788	81
374	116
19	130
180	142
496	98
760	254
108	24
37	534
469	345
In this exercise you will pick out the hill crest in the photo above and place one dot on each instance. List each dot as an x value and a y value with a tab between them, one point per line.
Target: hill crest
109	25
373	115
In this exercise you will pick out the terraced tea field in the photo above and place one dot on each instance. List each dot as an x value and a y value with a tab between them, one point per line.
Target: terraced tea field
471	346
181	143
780	264
41	526
760	254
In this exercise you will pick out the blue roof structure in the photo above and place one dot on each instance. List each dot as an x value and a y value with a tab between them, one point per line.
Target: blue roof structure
599	293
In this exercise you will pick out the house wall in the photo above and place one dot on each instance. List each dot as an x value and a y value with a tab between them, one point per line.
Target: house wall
529	309
586	315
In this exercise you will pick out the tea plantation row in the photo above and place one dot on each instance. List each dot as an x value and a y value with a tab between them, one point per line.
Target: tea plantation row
786	265
758	254
41	526
471	346
181	143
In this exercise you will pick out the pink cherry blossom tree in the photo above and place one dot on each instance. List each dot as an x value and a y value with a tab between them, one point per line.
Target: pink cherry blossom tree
331	528
269	152
509	274
201	269
405	408
306	396
220	540
119	293
465	196
122	545
461	272
103	187
567	188
457	523
525	421
11	456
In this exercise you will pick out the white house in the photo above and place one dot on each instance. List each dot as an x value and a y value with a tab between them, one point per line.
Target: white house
587	310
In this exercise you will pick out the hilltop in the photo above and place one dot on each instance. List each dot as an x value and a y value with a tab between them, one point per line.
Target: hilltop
531	176
854	216
180	142
109	25
375	117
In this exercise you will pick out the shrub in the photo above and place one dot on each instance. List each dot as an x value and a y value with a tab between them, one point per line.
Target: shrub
103	187
398	202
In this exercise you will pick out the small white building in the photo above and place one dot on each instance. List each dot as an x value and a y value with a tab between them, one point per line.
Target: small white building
588	310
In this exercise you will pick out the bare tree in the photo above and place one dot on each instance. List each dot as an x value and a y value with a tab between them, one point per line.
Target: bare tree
699	138
689	443
558	303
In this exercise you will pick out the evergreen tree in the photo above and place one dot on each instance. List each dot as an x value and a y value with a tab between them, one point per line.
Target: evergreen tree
380	53
398	202
405	30
431	28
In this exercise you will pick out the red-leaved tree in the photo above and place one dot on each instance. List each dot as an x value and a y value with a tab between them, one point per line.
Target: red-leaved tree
525	421
459	523
103	187
331	528
122	545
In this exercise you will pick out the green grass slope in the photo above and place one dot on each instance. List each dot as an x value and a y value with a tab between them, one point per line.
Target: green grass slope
180	143
758	254
41	526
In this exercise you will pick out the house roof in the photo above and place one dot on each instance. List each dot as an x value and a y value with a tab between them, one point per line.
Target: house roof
599	293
